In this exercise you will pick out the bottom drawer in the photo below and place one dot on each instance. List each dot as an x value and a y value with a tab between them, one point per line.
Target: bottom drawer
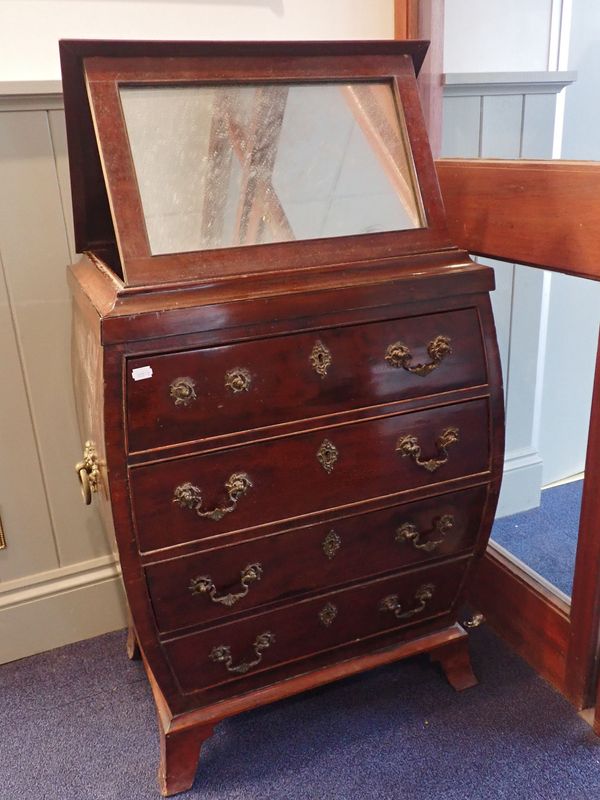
264	641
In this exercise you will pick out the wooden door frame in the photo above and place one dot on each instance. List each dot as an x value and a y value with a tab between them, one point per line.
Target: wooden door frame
424	19
502	210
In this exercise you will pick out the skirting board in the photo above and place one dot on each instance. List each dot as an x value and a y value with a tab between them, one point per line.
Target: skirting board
62	606
521	483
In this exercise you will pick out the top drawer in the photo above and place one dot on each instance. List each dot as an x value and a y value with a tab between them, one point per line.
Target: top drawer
219	390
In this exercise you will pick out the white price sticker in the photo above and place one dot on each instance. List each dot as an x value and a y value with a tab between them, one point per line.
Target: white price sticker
141	373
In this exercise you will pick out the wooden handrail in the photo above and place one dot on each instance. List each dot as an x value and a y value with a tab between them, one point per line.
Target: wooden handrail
541	213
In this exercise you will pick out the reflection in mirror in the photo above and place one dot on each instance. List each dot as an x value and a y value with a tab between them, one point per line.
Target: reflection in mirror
548	334
223	166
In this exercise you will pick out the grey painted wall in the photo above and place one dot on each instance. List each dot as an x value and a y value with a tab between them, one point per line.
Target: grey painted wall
573	304
581	134
511	115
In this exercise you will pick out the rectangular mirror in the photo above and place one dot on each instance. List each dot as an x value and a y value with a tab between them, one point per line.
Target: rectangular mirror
220	166
548	331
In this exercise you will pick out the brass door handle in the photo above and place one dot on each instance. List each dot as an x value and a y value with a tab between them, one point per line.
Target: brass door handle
409	446
88	471
221	654
189	496
399	356
205	585
422	596
408	532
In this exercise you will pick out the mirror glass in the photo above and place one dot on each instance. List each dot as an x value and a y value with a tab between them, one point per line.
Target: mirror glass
548	333
224	166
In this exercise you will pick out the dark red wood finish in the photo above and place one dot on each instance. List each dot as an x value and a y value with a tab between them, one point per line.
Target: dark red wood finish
487	216
105	74
397	284
288	481
302	560
299	630
358	375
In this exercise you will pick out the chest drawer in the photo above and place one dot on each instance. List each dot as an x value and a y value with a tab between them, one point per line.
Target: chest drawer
264	641
218	390
192	498
215	583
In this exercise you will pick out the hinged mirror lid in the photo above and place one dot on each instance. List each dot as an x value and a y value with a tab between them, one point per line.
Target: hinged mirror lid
201	161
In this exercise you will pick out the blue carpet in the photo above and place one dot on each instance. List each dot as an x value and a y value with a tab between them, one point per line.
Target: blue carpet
545	538
78	723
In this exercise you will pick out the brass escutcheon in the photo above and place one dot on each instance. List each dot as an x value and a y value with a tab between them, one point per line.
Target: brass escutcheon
399	356
183	391
320	358
238	380
327	455
327	614
331	544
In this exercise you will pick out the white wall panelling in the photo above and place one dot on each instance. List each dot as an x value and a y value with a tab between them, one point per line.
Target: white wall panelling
58	561
58	576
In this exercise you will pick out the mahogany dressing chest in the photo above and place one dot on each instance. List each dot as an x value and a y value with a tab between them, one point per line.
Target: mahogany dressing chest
286	375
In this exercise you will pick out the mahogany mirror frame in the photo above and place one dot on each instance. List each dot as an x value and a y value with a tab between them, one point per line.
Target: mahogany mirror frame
499	209
105	75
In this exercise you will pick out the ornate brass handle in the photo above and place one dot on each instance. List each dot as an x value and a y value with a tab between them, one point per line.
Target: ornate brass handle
398	355
88	471
423	595
238	380
205	585
408	532
189	496
222	654
409	446
183	391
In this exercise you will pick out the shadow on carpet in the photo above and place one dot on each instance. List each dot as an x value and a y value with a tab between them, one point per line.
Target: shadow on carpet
78	723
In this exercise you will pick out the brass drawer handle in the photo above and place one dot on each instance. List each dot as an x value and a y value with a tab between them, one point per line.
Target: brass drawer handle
183	391
408	532
205	585
221	654
398	355
189	496
320	358
422	596
409	446
88	471
238	380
